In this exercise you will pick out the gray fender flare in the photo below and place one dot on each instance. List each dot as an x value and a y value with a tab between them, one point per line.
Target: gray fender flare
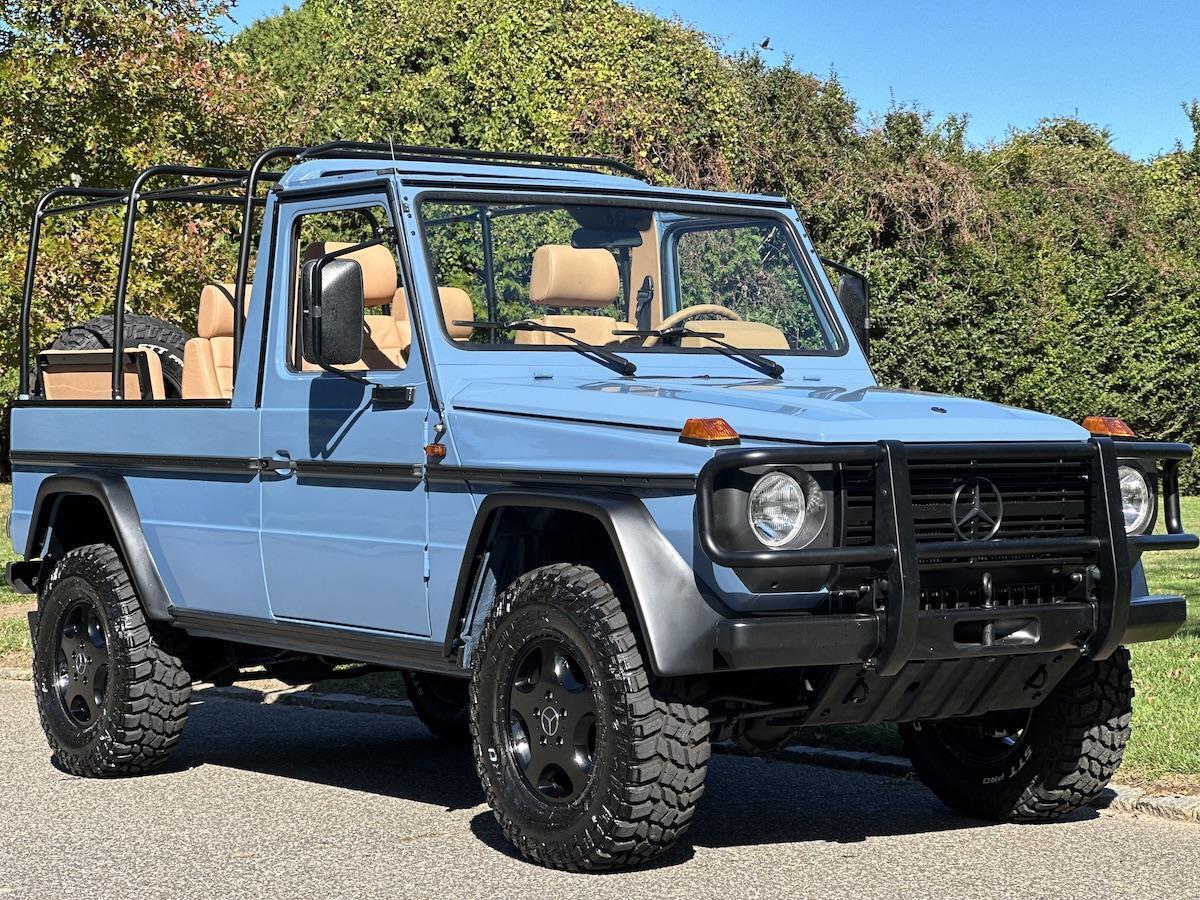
114	496
678	622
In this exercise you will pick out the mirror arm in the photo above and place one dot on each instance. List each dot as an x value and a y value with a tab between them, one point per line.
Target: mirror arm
846	270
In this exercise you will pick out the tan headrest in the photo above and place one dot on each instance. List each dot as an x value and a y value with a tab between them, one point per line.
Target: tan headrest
572	277
215	318
456	307
378	268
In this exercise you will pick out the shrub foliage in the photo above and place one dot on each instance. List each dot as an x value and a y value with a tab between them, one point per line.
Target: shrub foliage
1046	270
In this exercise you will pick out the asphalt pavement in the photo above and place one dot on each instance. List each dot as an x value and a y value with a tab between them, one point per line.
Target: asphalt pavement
281	801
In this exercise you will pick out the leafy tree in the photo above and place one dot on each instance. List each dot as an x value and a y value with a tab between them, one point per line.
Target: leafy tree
91	93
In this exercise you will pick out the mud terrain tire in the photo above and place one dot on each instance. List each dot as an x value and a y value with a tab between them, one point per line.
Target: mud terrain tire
621	789
111	700
1061	759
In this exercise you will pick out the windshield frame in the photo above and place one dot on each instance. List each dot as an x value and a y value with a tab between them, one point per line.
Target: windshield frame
559	195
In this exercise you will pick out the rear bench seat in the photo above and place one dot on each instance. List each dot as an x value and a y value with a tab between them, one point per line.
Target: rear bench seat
87	374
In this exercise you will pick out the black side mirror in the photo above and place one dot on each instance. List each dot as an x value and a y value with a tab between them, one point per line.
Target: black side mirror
331	311
853	294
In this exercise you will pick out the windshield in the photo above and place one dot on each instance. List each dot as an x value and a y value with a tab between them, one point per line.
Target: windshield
629	279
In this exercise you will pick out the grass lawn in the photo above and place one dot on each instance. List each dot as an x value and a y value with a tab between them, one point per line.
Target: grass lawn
1165	748
1164	752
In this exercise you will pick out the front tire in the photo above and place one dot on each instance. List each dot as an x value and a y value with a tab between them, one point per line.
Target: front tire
586	761
1031	765
111	699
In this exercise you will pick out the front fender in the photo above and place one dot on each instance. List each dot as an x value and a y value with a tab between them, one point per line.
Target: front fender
677	621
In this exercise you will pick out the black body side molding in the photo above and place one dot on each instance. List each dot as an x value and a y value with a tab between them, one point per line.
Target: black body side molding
678	622
114	496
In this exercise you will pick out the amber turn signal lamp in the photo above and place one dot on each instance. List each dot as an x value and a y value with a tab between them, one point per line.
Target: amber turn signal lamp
708	433
435	451
1108	426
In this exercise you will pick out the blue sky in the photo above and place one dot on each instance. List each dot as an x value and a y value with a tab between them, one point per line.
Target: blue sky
1124	66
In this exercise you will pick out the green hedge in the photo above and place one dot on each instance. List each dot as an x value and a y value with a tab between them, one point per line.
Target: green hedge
1048	270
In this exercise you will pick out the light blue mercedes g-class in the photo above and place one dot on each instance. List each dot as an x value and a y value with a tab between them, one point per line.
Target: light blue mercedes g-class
600	465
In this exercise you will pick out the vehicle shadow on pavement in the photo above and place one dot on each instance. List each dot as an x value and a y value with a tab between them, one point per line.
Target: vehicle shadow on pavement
392	756
759	801
748	801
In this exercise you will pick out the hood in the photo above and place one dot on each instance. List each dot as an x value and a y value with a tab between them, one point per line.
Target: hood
767	409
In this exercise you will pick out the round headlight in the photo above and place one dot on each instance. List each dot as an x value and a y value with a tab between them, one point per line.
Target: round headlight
776	509
1137	501
786	508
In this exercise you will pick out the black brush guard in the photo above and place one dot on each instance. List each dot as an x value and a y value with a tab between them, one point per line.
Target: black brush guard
900	631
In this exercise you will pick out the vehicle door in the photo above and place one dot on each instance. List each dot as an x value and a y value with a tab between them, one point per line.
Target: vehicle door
343	505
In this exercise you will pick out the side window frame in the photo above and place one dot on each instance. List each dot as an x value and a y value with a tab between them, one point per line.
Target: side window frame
293	212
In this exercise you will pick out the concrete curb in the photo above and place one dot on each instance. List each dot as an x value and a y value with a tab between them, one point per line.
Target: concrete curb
1123	799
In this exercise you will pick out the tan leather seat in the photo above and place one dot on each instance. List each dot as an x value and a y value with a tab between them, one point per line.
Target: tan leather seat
208	357
573	278
87	374
386	338
747	335
456	307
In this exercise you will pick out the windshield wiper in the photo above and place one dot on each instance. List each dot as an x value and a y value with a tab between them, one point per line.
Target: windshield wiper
614	361
755	361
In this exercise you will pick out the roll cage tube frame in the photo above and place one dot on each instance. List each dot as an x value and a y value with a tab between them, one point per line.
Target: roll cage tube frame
897	553
99	198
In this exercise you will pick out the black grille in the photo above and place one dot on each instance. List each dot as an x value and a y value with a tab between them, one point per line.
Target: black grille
1005	596
1042	499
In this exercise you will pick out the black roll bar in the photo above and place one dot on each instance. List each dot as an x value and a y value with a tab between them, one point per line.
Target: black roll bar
254	176
249	179
420	153
135	195
98	198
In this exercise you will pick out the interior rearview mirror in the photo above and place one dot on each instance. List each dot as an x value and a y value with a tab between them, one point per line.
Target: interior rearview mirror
331	307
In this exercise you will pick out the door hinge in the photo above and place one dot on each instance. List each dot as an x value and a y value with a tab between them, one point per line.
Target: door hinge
425	563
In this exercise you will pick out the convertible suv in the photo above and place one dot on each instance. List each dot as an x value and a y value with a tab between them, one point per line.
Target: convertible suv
599	465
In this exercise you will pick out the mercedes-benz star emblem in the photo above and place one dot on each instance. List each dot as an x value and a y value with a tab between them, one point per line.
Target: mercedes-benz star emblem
550	721
976	510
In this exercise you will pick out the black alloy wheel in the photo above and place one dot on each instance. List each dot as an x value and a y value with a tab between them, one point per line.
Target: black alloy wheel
552	720
1031	765
111	696
81	664
991	740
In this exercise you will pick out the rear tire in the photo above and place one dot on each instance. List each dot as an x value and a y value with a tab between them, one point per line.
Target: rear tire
111	699
162	337
442	704
586	761
1054	759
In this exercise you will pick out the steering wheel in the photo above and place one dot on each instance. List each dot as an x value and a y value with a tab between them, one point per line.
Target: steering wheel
691	312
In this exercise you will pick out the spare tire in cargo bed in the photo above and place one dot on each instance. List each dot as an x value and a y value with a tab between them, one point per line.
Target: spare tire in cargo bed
145	331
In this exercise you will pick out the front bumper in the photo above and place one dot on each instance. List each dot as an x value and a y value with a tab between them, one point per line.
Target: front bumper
899	632
767	642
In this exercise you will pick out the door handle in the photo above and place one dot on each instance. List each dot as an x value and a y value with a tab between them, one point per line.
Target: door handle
280	464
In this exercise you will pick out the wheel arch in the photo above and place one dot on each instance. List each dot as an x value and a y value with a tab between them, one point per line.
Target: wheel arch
674	618
61	514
